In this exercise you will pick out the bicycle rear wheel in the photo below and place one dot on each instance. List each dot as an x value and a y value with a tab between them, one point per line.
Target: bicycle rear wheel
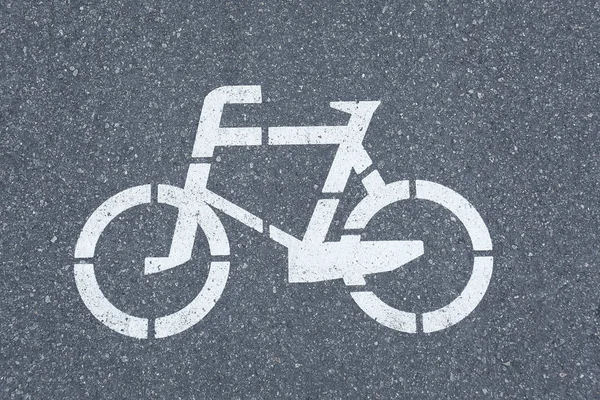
138	327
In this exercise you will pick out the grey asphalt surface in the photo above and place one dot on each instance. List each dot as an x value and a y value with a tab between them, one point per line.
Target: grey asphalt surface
496	100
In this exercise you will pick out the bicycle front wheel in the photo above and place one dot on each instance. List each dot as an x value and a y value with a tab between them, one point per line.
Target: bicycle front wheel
481	273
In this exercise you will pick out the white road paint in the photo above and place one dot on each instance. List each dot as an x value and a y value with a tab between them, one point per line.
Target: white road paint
461	208
104	214
318	226
234	211
381	195
104	310
378	197
374	184
191	214
464	304
195	311
350	154
210	134
387	316
356	258
349	259
310	259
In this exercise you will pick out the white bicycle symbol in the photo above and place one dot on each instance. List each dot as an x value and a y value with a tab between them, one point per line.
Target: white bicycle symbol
310	259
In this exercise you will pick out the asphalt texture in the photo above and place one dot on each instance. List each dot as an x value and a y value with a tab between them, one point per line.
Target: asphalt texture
497	100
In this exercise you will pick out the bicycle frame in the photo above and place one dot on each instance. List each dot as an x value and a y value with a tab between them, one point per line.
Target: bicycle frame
310	259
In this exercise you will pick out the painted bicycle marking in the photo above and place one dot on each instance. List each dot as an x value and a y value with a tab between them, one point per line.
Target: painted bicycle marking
311	258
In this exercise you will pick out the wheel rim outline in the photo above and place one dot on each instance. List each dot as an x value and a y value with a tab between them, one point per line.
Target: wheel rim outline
474	290
116	319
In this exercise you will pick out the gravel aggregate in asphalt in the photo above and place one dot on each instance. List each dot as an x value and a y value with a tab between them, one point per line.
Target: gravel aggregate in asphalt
497	100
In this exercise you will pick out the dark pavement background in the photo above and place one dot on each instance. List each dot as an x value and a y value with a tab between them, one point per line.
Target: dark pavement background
495	99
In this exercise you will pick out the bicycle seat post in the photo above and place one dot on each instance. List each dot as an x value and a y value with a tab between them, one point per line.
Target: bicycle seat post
210	134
